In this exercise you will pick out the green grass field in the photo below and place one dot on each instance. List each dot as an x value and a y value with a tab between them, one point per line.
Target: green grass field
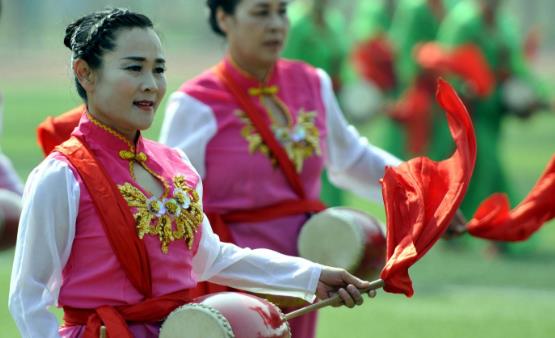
459	292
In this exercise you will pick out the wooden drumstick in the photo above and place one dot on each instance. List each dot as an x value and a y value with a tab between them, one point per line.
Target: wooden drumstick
103	331
377	284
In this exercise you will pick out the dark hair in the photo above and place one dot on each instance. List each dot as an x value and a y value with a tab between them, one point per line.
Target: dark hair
92	35
228	6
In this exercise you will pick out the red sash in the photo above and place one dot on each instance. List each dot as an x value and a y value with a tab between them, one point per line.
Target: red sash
128	248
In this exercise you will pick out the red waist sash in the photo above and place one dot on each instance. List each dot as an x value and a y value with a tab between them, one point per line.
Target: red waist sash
115	318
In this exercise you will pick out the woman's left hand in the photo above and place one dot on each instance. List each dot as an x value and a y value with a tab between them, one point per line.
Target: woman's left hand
334	280
457	227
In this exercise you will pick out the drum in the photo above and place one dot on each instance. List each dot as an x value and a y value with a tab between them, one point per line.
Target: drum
344	238
518	96
361	101
226	315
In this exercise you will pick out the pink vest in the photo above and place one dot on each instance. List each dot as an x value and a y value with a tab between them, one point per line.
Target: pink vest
93	276
237	178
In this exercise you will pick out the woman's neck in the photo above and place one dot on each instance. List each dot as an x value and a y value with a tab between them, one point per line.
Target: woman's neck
129	135
258	71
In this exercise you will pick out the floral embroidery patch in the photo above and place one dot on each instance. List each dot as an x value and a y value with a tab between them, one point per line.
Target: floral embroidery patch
170	218
300	141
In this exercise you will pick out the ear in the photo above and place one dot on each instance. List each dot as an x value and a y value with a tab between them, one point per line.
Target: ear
85	75
223	20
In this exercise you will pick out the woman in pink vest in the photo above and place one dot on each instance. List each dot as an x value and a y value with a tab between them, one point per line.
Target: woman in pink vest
112	228
260	129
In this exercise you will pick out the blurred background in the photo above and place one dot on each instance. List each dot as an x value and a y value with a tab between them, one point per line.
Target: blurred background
461	290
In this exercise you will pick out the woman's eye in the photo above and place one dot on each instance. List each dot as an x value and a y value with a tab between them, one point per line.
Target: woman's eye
261	13
159	70
134	68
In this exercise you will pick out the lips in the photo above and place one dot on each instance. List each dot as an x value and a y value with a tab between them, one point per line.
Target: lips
144	104
273	43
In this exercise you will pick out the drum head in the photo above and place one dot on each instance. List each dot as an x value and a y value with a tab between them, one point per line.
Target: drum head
361	100
333	238
196	321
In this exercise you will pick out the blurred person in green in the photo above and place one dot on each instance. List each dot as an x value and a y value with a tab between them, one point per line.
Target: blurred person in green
372	56
484	24
11	189
414	22
318	36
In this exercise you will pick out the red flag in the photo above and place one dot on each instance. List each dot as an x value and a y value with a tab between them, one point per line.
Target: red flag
414	112
494	219
465	61
55	130
374	60
421	196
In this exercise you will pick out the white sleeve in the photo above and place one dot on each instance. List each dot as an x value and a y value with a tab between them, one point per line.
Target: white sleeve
260	270
352	162
46	233
188	125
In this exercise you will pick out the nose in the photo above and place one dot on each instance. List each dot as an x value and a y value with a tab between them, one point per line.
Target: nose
149	83
278	22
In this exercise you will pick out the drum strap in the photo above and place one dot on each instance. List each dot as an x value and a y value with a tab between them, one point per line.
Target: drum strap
115	318
117	220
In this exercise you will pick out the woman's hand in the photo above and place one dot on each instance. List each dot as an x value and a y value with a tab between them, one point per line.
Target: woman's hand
339	281
457	227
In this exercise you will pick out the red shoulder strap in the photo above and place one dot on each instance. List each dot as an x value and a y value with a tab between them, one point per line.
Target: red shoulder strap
117	220
250	109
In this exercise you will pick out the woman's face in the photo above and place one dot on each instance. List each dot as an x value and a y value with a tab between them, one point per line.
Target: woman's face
256	31
129	85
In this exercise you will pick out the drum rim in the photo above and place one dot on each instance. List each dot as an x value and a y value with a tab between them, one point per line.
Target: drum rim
207	309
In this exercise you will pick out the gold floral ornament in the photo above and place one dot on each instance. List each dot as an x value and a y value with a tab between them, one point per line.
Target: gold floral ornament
171	218
300	141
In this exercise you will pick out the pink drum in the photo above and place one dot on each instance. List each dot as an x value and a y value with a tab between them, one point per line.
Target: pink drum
344	238
226	315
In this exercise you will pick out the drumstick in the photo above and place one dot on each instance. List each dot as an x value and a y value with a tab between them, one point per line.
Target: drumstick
103	331
330	301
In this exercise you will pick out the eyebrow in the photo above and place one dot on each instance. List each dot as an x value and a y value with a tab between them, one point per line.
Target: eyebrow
142	59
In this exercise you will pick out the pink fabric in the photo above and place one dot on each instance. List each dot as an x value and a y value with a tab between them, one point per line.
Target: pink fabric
93	280
255	182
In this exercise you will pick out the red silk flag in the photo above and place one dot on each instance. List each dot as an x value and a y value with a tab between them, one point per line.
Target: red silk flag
414	112
421	196
375	61
465	61
494	219
55	130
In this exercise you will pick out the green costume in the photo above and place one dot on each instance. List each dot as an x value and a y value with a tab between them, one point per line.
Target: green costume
414	22
371	18
501	47
323	46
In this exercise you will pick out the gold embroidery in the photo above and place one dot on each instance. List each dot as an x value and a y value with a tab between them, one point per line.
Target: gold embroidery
300	142
259	91
157	216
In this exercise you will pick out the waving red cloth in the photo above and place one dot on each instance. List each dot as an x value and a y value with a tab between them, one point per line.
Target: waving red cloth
374	60
55	130
413	112
466	61
421	196
494	219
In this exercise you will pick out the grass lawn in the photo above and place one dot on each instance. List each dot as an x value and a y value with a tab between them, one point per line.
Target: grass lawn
460	292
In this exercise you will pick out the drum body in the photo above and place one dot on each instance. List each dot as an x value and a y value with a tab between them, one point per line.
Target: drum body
226	315
344	238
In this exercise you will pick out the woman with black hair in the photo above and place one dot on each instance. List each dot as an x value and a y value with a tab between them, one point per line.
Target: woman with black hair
112	227
260	129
